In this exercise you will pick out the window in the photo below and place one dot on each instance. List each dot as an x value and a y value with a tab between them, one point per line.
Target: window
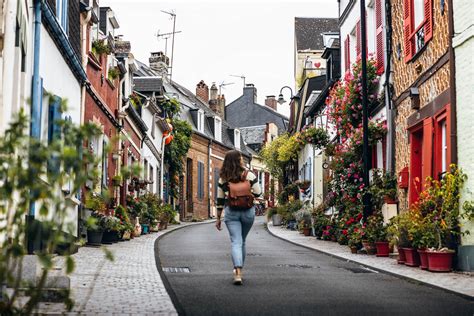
105	163
417	26
151	175
441	144
200	122
237	139
200	180
145	169
218	129
61	13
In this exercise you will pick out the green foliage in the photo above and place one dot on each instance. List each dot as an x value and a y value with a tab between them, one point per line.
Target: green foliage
270	156
113	73
289	193
176	151
316	136
171	107
99	47
27	180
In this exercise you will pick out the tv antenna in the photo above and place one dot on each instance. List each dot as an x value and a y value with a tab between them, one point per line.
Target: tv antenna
172	15
241	77
165	36
222	86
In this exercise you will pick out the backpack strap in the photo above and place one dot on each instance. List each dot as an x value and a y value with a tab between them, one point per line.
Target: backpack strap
244	175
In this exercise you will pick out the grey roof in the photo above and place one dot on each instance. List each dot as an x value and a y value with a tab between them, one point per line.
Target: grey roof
190	104
253	134
148	84
244	112
308	32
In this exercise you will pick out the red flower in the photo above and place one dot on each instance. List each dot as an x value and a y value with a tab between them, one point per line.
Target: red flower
344	232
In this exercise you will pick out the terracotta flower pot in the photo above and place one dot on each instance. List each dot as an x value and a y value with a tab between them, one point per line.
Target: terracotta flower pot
401	256
440	261
353	249
389	200
412	257
307	231
423	259
383	249
369	247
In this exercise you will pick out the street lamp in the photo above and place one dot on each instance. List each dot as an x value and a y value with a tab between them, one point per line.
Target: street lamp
281	99
365	112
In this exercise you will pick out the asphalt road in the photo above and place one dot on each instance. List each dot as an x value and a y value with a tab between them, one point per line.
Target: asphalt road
284	279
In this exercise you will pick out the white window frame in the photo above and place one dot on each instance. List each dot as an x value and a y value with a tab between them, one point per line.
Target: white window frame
218	128
237	139
200	121
62	14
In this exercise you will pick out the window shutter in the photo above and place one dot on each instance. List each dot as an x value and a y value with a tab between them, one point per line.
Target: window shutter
428	20
379	50
408	29
199	180
54	131
347	58
358	40
427	150
384	152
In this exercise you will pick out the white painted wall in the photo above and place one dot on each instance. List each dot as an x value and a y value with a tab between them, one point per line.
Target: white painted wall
59	80
463	43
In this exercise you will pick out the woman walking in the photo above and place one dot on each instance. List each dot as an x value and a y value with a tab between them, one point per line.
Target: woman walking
237	188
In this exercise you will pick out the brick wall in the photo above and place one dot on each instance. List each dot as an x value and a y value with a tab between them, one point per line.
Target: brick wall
406	75
197	152
108	92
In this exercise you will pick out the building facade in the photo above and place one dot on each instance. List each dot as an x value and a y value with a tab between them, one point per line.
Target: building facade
463	44
425	138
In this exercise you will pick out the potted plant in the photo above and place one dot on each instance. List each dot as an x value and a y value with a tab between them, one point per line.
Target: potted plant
379	231
274	216
111	226
369	236
126	225
303	216
303	184
320	222
442	198
355	238
398	234
94	229
117	180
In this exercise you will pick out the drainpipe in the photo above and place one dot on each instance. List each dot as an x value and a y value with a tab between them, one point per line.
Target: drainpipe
84	23
388	91
452	83
36	100
36	92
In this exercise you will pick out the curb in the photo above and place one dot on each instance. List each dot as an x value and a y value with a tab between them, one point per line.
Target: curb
410	279
174	298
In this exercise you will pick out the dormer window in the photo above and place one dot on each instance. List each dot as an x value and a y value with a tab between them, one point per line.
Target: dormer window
200	121
237	139
218	128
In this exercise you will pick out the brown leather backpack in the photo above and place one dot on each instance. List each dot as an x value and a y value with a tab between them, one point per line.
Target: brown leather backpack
240	194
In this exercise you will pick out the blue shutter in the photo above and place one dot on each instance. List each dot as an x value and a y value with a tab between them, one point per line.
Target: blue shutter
54	130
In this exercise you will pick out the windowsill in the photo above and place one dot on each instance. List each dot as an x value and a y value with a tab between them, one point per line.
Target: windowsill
418	53
93	61
111	84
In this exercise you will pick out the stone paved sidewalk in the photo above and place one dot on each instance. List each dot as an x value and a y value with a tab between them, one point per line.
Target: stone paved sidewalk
462	283
129	285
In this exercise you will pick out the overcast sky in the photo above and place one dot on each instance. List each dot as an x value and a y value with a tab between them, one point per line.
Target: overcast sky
219	38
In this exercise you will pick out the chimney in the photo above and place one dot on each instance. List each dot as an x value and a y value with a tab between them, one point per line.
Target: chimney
213	91
159	62
218	105
202	91
271	102
250	92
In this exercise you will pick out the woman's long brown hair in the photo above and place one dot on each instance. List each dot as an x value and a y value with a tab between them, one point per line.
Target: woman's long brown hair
232	168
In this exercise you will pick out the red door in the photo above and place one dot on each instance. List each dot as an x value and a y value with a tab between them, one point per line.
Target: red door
416	163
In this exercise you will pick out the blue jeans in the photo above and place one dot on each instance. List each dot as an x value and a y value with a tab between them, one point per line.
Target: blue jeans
239	223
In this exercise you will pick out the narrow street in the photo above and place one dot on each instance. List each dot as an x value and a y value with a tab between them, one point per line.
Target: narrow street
283	279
